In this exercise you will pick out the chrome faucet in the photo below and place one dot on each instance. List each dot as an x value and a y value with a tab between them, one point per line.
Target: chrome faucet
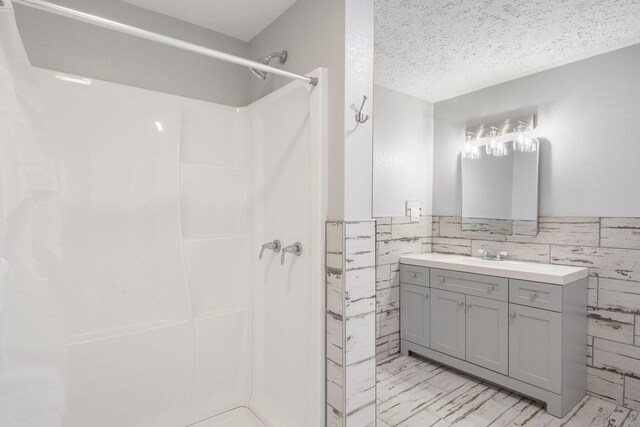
272	246
491	256
295	249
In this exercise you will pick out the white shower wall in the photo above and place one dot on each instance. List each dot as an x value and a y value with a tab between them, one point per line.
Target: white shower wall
289	181
155	253
164	315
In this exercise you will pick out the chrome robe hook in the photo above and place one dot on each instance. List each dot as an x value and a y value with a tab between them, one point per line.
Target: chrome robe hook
359	116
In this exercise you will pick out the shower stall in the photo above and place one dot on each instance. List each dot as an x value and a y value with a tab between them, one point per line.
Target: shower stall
131	225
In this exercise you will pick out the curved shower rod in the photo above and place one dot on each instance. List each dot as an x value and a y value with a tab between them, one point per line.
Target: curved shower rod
159	38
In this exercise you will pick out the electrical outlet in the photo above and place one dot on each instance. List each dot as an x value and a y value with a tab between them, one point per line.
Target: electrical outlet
413	210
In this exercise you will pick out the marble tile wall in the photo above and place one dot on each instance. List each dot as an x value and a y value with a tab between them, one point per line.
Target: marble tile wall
394	236
351	319
608	247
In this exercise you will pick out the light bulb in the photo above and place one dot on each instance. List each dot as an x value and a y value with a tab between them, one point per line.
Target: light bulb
467	148
493	143
520	140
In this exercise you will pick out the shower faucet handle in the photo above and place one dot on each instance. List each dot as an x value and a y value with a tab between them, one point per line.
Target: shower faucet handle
273	246
295	249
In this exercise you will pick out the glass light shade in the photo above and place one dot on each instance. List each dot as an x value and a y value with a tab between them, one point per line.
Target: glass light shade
519	140
466	150
530	145
492	145
469	150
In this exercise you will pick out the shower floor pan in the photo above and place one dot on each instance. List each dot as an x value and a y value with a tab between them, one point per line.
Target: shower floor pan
240	417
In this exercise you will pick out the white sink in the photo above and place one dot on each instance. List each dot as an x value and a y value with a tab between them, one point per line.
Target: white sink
547	273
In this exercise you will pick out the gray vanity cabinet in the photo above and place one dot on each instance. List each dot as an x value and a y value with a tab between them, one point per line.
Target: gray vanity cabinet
535	340
415	313
448	322
527	336
487	333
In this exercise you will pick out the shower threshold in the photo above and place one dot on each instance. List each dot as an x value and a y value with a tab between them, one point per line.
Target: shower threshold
239	417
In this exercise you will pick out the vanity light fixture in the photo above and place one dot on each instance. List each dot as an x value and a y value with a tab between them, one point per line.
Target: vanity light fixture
496	138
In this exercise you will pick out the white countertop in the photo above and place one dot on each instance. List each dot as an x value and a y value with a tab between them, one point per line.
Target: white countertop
547	273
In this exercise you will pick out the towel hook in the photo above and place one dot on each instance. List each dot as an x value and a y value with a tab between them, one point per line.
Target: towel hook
359	118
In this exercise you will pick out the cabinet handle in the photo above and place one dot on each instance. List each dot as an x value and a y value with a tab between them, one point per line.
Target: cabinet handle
460	303
468	305
441	279
414	275
489	289
513	314
532	296
426	296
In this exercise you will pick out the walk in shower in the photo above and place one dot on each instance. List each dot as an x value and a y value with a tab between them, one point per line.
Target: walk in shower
131	224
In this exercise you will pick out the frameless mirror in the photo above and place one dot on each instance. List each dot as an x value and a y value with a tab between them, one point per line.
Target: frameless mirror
500	193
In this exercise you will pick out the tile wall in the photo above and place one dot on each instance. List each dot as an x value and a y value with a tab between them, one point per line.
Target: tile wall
351	318
608	247
394	236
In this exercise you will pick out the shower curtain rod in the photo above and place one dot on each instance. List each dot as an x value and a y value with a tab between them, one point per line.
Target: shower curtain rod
159	38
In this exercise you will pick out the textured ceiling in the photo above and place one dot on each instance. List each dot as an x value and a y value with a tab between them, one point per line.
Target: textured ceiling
241	19
439	49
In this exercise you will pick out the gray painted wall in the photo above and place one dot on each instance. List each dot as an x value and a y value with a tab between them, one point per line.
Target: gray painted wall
313	33
589	121
65	45
402	152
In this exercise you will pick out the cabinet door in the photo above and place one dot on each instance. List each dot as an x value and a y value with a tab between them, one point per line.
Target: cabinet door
447	322
535	346
414	310
487	333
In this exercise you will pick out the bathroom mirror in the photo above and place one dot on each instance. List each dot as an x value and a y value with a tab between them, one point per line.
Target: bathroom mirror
500	193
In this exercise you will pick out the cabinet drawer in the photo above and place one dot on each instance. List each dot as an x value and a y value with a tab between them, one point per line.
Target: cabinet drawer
471	284
535	294
414	275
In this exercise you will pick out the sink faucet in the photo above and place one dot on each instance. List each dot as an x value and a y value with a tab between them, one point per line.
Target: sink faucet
491	256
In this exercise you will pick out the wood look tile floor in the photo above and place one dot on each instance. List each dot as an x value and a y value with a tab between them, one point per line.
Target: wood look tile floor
414	392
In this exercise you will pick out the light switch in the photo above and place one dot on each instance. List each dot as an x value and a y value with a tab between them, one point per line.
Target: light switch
413	210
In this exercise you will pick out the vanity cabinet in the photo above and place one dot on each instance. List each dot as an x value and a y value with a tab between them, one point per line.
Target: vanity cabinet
524	335
448	322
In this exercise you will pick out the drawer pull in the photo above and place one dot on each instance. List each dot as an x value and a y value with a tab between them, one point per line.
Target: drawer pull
414	275
468	305
513	314
489	289
532	296
460	303
441	279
